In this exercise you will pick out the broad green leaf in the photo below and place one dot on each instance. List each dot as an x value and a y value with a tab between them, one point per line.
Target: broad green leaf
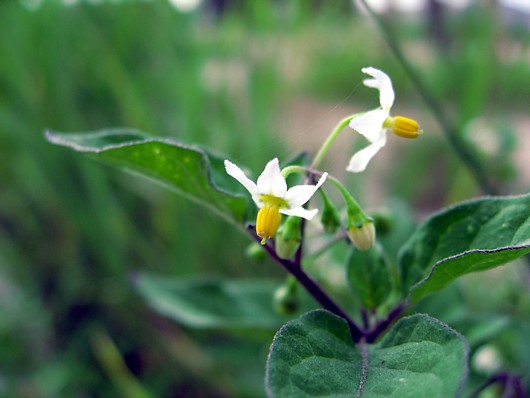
469	237
314	356
185	169
369	277
215	302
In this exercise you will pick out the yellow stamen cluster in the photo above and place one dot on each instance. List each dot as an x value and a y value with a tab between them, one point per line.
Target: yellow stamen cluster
403	126
269	216
267	222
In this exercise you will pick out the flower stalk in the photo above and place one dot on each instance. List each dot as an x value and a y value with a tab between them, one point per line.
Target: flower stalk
330	140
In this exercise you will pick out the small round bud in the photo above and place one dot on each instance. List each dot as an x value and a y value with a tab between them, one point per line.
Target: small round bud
286	299
255	252
362	235
487	360
288	238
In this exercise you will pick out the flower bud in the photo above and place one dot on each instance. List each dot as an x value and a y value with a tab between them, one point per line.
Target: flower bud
288	238
285	299
330	218
255	252
362	235
487	360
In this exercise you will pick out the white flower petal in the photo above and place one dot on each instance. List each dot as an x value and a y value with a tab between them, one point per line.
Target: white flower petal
240	176
370	124
360	160
298	195
258	201
300	212
271	181
382	82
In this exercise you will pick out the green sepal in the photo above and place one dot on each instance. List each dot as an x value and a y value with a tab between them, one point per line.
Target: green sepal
288	237
330	218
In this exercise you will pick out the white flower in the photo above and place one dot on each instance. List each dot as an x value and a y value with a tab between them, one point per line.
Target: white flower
271	195
374	124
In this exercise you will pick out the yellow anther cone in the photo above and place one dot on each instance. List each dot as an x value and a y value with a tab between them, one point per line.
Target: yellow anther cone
403	126
267	222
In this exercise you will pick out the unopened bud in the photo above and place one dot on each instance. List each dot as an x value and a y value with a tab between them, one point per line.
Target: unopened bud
255	252
286	300
487	360
330	218
362	235
288	238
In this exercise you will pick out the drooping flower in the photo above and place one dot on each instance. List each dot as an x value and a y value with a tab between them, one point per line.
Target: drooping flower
362	236
271	195
374	124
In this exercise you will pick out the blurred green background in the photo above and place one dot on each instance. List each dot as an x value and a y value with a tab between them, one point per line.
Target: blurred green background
252	80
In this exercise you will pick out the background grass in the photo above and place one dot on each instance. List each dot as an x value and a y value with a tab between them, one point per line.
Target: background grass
263	79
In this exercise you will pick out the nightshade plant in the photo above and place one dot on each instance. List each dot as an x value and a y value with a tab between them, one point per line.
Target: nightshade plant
361	346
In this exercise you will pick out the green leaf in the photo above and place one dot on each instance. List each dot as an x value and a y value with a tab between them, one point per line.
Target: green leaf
214	302
185	169
469	237
314	356
368	276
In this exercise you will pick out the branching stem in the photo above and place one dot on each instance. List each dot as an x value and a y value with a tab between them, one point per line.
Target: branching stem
294	267
511	384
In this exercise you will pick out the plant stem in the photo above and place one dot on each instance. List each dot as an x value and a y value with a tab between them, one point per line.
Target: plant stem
329	141
351	203
382	325
294	267
287	171
459	145
512	386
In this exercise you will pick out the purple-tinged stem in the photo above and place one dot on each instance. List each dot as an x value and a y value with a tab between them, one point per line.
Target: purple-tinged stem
294	267
382	325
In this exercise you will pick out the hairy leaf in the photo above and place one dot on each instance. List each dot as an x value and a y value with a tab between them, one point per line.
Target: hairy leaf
469	237
185	169
369	277
314	356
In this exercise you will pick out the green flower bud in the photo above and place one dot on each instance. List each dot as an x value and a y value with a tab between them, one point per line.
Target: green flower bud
255	252
361	234
330	218
286	297
359	227
288	238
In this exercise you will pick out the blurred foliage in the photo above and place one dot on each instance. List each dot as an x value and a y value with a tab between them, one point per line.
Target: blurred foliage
72	231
